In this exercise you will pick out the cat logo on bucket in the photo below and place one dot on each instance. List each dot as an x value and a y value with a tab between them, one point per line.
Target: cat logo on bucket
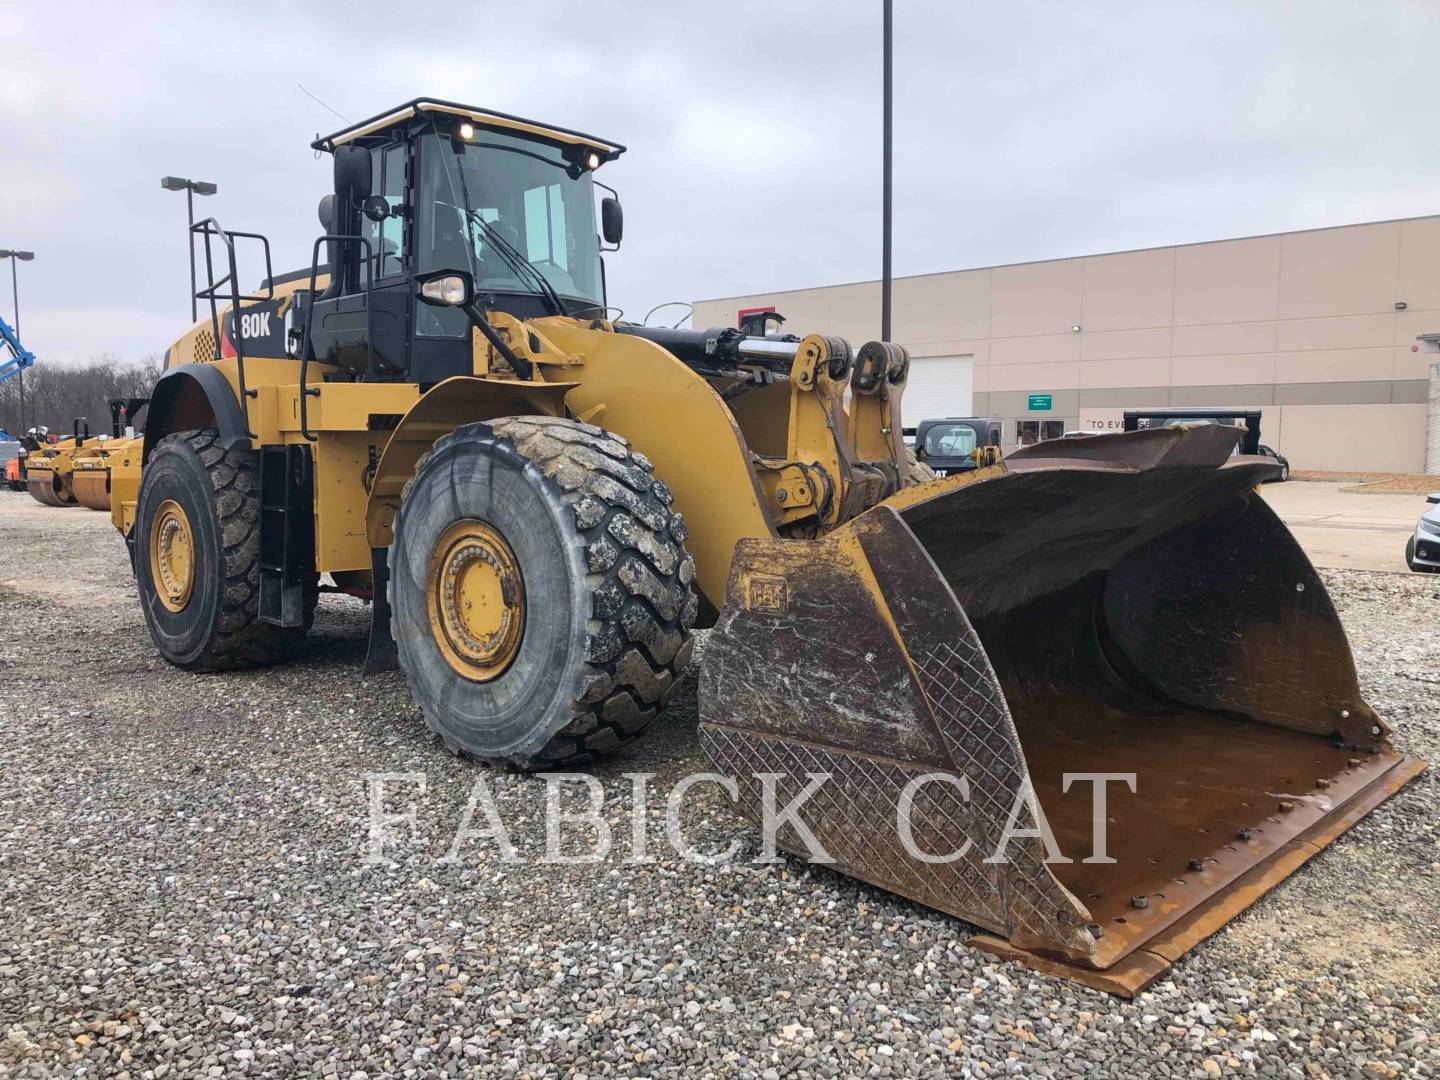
767	594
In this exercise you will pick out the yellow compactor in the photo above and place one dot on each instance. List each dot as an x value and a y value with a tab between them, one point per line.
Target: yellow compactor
95	463
543	503
49	468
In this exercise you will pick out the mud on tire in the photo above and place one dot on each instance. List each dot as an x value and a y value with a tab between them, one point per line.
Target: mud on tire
608	587
219	490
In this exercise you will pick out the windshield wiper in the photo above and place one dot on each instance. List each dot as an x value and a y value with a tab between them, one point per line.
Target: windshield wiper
518	263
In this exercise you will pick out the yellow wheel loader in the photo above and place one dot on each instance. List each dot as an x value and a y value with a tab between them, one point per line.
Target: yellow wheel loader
95	462
543	504
49	470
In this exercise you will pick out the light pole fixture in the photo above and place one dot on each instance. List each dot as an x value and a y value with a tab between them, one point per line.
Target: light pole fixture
17	257
887	140
191	189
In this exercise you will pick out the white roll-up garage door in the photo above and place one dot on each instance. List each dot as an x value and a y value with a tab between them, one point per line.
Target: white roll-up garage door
939	386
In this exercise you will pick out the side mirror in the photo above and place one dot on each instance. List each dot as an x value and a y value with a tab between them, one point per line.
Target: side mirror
375	207
445	288
1433	497
612	220
352	174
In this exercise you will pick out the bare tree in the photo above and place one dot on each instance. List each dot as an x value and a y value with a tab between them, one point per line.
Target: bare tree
55	395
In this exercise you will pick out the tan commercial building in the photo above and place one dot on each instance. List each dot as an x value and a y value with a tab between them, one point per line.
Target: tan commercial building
1318	329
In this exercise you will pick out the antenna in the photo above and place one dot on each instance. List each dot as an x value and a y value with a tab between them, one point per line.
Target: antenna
322	104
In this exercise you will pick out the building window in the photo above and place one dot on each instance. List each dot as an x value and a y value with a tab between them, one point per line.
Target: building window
1029	432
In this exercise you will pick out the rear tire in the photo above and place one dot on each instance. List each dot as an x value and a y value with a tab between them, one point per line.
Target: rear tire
604	595
214	626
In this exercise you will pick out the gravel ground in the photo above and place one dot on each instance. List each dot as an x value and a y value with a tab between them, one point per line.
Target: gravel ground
183	892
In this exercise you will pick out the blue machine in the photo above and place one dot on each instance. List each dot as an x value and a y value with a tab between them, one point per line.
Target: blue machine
19	357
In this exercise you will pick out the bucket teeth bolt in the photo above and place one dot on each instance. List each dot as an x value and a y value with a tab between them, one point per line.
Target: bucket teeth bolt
1139	901
1322	783
1096	930
1286	806
1243	834
1197	865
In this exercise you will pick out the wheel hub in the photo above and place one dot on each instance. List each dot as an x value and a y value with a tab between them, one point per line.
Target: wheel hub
476	600
172	556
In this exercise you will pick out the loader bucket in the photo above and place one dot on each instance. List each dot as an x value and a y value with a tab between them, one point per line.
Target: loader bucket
1126	604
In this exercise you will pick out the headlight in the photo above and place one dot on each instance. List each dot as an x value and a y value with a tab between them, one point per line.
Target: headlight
1429	528
444	290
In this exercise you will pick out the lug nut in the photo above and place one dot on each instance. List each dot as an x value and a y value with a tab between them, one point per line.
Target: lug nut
1139	901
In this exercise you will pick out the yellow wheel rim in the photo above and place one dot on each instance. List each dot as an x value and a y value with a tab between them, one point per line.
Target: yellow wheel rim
476	600
172	556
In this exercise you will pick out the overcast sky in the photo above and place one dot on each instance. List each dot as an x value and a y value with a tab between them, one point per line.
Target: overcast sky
1024	130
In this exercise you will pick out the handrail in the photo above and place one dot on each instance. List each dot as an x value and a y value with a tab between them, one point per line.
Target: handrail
306	348
208	228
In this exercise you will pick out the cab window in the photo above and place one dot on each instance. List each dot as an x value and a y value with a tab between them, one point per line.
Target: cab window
950	440
387	238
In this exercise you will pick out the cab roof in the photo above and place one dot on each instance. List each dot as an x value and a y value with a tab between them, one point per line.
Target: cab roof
487	118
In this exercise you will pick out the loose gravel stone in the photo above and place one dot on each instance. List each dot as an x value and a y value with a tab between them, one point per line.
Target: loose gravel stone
184	891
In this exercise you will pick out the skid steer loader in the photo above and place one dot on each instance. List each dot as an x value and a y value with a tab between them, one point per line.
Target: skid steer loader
542	504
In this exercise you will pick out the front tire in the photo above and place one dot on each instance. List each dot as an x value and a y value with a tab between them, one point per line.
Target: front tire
541	594
197	556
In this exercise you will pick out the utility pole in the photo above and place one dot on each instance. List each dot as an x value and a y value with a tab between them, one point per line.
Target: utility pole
16	257
191	189
888	68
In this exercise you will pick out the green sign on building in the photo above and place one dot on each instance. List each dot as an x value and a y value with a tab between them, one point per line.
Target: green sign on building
1041	402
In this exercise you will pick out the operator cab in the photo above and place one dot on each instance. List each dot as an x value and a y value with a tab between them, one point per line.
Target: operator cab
496	212
957	444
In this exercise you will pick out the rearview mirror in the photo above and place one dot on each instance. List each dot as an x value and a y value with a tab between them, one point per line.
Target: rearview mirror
1433	497
375	207
352	174
445	288
612	220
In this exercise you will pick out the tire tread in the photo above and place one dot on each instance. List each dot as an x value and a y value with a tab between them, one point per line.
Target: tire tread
639	578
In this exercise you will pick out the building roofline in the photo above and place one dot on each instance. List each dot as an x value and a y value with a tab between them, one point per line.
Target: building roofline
1066	258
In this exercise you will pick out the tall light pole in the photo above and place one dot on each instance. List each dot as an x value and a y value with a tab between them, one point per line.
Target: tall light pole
18	257
191	189
887	77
